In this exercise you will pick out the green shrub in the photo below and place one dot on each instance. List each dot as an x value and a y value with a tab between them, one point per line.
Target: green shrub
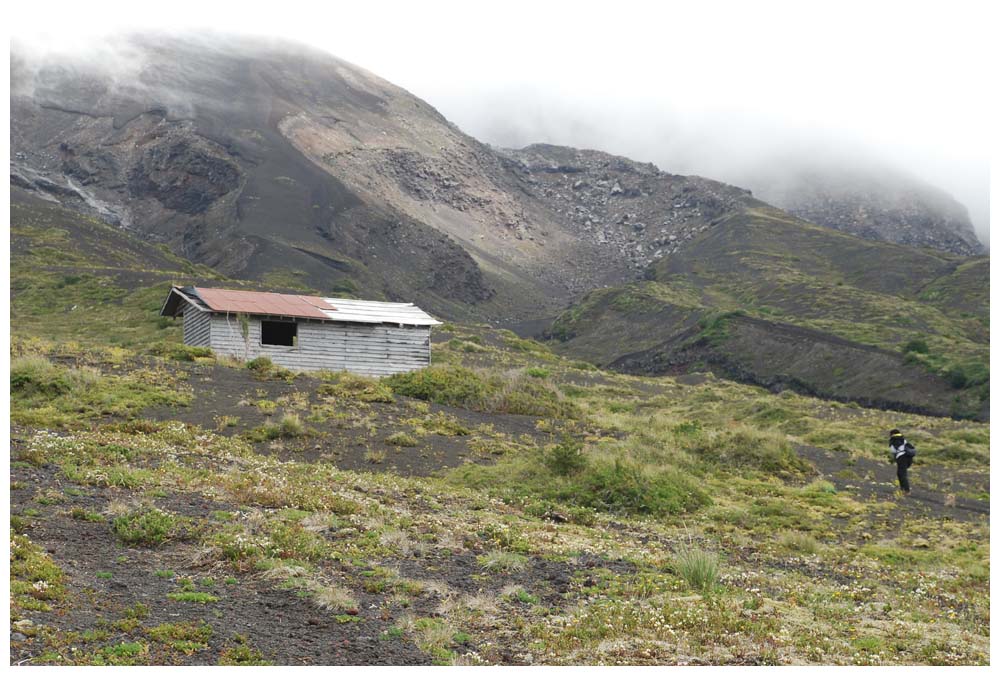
528	345
83	515
617	486
260	364
504	537
967	375
918	345
957	378
491	391
35	578
566	458
687	428
956	453
35	374
264	369
187	637
266	432
192	597
352	386
467	344
291	425
448	385
821	486
715	328
123	654
441	423
148	527
188	352
749	449
523	395
401	439
242	654
624	486
537	372
38	374
293	541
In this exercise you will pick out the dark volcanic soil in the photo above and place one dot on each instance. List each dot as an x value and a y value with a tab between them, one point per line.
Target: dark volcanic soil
350	440
285	628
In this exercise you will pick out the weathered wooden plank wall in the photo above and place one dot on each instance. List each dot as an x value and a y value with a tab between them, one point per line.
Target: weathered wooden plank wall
366	349
197	327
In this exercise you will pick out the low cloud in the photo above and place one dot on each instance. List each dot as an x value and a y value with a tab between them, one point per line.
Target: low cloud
757	150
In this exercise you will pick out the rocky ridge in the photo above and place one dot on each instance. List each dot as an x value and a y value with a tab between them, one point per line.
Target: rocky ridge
631	208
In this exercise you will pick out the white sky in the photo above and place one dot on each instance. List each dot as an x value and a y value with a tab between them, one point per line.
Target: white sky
911	83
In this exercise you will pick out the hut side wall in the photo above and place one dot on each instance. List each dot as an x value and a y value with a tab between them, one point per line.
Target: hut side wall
375	350
197	327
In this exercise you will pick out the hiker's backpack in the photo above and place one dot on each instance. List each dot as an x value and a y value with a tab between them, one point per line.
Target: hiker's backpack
910	449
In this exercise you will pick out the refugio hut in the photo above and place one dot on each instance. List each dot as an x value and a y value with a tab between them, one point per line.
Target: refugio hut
305	332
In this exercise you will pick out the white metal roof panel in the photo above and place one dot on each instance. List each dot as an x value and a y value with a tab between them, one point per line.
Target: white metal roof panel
377	312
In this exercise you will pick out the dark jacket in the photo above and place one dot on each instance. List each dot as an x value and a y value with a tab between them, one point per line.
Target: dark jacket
900	447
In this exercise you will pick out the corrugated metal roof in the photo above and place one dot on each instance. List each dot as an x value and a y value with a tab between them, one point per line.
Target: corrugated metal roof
309	307
377	312
262	303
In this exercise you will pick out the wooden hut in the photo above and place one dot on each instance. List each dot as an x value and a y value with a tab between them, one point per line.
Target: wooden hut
305	332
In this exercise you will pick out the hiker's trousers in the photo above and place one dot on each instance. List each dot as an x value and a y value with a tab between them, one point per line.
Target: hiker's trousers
902	465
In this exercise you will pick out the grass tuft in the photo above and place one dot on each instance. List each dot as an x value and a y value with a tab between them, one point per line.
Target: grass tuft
502	562
699	568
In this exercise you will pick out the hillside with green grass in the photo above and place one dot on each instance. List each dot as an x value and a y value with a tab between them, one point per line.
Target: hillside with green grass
773	300
507	505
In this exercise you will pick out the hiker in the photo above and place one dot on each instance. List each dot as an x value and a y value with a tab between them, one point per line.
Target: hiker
902	454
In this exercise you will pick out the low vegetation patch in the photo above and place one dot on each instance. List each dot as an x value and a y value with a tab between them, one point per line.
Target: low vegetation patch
606	483
348	385
747	448
35	579
625	486
401	439
192	597
485	390
185	637
265	369
242	655
51	395
149	527
332	597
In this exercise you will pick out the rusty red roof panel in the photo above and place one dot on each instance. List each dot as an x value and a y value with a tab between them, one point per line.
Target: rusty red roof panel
260	303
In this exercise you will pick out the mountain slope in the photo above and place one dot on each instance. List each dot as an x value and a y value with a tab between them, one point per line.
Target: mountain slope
277	162
767	298
187	151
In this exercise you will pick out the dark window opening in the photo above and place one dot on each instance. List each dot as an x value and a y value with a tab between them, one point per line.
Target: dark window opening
278	333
